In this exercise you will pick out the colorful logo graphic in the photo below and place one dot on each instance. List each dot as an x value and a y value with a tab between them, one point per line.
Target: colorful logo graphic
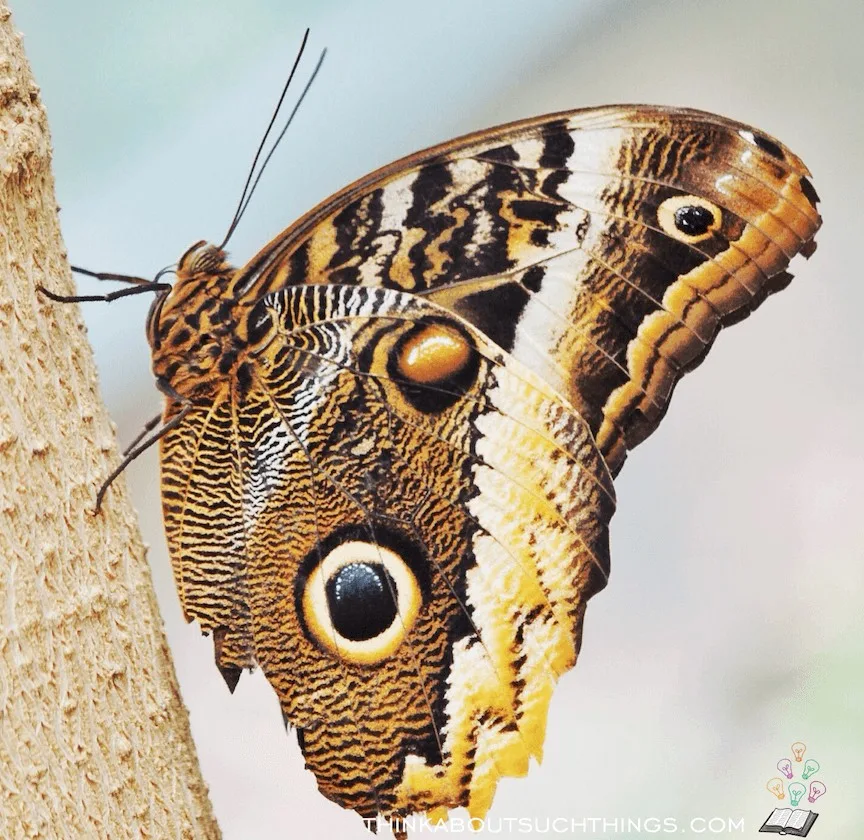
794	820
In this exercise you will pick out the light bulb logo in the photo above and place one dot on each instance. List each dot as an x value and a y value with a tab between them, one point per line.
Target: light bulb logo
798	750
817	788
811	766
776	787
796	791
785	767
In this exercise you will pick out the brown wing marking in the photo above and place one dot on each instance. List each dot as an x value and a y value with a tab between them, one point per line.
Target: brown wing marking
557	238
504	498
203	510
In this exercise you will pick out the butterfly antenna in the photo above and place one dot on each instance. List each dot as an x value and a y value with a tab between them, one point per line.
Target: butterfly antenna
278	140
243	196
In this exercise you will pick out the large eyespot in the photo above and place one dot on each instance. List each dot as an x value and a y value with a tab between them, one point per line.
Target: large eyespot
689	218
360	601
433	364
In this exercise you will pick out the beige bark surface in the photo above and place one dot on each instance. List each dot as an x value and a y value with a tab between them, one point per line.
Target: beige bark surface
94	739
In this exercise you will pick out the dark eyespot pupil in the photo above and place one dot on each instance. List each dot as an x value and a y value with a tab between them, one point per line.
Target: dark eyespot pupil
693	219
360	597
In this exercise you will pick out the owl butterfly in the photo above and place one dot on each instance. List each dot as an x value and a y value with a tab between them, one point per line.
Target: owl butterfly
390	437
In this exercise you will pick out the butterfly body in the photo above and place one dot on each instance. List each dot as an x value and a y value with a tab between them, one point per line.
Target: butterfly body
388	475
197	330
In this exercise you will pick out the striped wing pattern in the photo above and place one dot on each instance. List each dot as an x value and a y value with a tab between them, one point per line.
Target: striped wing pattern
391	486
553	236
329	450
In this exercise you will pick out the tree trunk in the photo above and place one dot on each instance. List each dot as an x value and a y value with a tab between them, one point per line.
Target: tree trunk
94	739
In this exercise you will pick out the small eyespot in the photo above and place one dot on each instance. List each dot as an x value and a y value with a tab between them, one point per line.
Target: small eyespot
360	602
432	354
693	219
689	218
764	143
434	363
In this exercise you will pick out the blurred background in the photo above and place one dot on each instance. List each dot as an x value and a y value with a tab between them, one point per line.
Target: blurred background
732	625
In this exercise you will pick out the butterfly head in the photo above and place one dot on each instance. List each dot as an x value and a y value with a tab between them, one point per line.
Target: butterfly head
203	258
192	329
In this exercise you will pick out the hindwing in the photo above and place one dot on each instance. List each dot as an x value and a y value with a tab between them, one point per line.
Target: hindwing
466	497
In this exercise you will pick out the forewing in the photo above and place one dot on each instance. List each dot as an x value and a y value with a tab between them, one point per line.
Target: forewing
602	248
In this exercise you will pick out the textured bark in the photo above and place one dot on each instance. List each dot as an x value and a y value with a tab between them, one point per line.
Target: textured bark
94	739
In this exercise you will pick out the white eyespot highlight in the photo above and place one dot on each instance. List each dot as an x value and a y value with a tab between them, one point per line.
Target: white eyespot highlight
360	602
689	218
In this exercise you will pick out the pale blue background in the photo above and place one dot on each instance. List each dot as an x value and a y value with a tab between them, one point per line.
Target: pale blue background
732	624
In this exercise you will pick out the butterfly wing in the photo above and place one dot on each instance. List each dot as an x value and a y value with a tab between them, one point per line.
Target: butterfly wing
206	525
396	502
415	521
603	248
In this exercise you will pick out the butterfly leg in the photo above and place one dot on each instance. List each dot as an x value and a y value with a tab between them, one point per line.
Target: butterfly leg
148	427
133	452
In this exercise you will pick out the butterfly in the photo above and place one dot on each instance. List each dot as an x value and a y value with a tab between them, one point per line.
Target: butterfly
389	440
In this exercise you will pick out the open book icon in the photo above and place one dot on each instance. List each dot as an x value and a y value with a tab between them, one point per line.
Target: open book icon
787	821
